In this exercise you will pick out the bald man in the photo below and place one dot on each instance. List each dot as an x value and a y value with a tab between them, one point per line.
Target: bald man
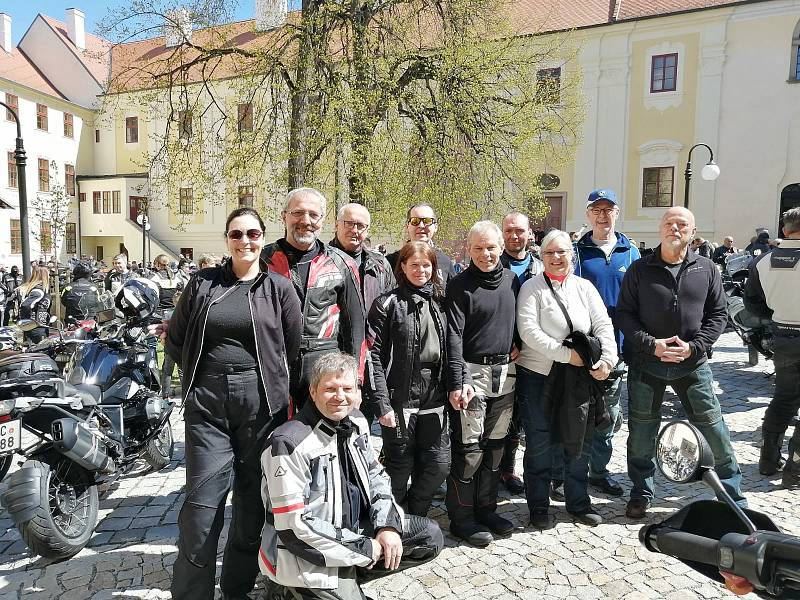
671	310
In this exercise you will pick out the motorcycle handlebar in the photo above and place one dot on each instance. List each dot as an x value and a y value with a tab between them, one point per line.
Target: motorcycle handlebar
679	544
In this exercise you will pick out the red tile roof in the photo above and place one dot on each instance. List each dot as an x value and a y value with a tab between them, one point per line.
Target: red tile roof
17	67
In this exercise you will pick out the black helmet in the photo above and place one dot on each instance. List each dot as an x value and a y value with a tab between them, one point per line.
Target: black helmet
81	271
137	299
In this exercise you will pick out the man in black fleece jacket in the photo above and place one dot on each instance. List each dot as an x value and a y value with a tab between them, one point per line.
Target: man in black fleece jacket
481	310
671	310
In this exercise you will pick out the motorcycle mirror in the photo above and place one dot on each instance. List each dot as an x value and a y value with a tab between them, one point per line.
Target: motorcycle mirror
682	453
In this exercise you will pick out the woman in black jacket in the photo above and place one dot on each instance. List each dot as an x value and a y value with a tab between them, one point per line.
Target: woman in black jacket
406	333
33	299
233	332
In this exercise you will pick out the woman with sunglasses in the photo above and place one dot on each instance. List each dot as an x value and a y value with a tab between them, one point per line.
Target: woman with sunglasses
406	332
234	330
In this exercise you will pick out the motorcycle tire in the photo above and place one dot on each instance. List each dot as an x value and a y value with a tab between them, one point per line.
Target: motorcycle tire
5	464
67	514
752	355
159	450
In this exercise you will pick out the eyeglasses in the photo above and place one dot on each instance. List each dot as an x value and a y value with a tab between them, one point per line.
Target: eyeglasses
551	253
313	216
427	221
601	211
355	225
252	234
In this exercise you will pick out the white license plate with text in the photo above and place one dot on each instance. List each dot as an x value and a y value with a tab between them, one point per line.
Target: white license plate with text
10	436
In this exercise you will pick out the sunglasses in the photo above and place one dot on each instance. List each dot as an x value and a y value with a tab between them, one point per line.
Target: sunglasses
252	234
415	221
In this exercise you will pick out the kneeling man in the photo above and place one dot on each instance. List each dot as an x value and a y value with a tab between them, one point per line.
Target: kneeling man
332	522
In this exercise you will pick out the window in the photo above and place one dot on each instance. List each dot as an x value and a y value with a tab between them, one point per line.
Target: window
98	253
96	203
13	102
69	179
12	171
658	183
664	73
16	237
41	117
116	203
245	118
71	238
45	236
96	136
69	130
246	195
44	175
106	202
132	130
186	201
184	124
82	196
187	253
548	85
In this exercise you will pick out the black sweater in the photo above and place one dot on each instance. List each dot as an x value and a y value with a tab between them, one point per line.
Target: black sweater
654	304
481	321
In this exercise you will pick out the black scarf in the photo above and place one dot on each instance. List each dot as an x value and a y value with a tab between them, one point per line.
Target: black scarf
354	503
490	280
426	291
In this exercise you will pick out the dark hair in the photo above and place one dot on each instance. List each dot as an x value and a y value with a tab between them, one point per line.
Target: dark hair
245	211
409	250
421	204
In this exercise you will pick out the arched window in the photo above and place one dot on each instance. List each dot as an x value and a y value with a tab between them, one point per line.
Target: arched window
794	70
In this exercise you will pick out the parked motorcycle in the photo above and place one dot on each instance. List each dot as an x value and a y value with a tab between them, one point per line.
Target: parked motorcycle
89	429
717	535
755	332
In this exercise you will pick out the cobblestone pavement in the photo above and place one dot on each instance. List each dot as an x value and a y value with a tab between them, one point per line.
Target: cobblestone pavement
133	548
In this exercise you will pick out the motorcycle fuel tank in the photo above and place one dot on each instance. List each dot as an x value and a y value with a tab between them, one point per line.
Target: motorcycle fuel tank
96	364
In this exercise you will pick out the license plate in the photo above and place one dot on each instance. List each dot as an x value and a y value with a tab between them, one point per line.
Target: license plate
10	436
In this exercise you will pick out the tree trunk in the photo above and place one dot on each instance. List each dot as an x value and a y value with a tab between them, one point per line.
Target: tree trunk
298	126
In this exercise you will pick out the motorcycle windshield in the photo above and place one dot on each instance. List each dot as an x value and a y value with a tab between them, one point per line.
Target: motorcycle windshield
95	364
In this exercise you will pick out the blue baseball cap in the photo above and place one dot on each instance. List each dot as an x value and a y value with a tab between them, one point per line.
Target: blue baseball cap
598	195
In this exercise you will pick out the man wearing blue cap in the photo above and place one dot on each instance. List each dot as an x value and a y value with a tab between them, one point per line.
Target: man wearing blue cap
603	256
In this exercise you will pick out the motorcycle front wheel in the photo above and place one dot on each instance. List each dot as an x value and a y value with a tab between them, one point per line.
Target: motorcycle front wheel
66	515
159	450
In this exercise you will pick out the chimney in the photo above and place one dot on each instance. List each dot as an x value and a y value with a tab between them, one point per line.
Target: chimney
76	28
5	32
178	27
270	14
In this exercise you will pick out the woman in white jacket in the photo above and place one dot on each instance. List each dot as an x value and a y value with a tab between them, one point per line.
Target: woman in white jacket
543	326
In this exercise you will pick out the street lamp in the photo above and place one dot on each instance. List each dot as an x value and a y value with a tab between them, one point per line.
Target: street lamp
709	172
22	189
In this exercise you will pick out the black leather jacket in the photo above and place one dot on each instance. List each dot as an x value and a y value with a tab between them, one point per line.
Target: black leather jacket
393	337
333	314
82	300
277	326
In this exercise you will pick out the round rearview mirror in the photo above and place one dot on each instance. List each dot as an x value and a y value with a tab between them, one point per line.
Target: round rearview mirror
681	452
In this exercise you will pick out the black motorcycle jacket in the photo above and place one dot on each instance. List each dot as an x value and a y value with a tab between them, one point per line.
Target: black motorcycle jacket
34	308
332	307
773	285
115	280
169	284
393	337
82	299
276	322
376	274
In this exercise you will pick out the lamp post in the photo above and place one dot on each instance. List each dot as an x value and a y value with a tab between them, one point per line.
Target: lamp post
709	172
22	190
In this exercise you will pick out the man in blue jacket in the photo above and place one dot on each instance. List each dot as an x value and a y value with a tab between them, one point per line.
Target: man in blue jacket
603	256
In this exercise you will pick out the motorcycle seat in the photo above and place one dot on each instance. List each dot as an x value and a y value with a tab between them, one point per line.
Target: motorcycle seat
89	394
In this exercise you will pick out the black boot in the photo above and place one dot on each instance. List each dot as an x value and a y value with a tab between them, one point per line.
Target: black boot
791	472
771	461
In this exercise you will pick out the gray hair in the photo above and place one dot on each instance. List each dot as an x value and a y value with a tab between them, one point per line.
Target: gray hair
343	207
306	191
485	227
207	260
334	362
555	235
791	220
121	256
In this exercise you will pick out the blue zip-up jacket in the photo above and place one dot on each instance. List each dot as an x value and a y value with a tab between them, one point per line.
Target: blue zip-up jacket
605	273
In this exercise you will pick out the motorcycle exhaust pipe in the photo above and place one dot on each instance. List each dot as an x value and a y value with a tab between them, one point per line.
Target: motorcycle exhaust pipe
74	440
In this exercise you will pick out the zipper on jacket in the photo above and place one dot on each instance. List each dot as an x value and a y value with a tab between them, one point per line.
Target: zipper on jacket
202	338
258	353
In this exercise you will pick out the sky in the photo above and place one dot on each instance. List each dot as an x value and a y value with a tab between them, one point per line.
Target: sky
23	12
